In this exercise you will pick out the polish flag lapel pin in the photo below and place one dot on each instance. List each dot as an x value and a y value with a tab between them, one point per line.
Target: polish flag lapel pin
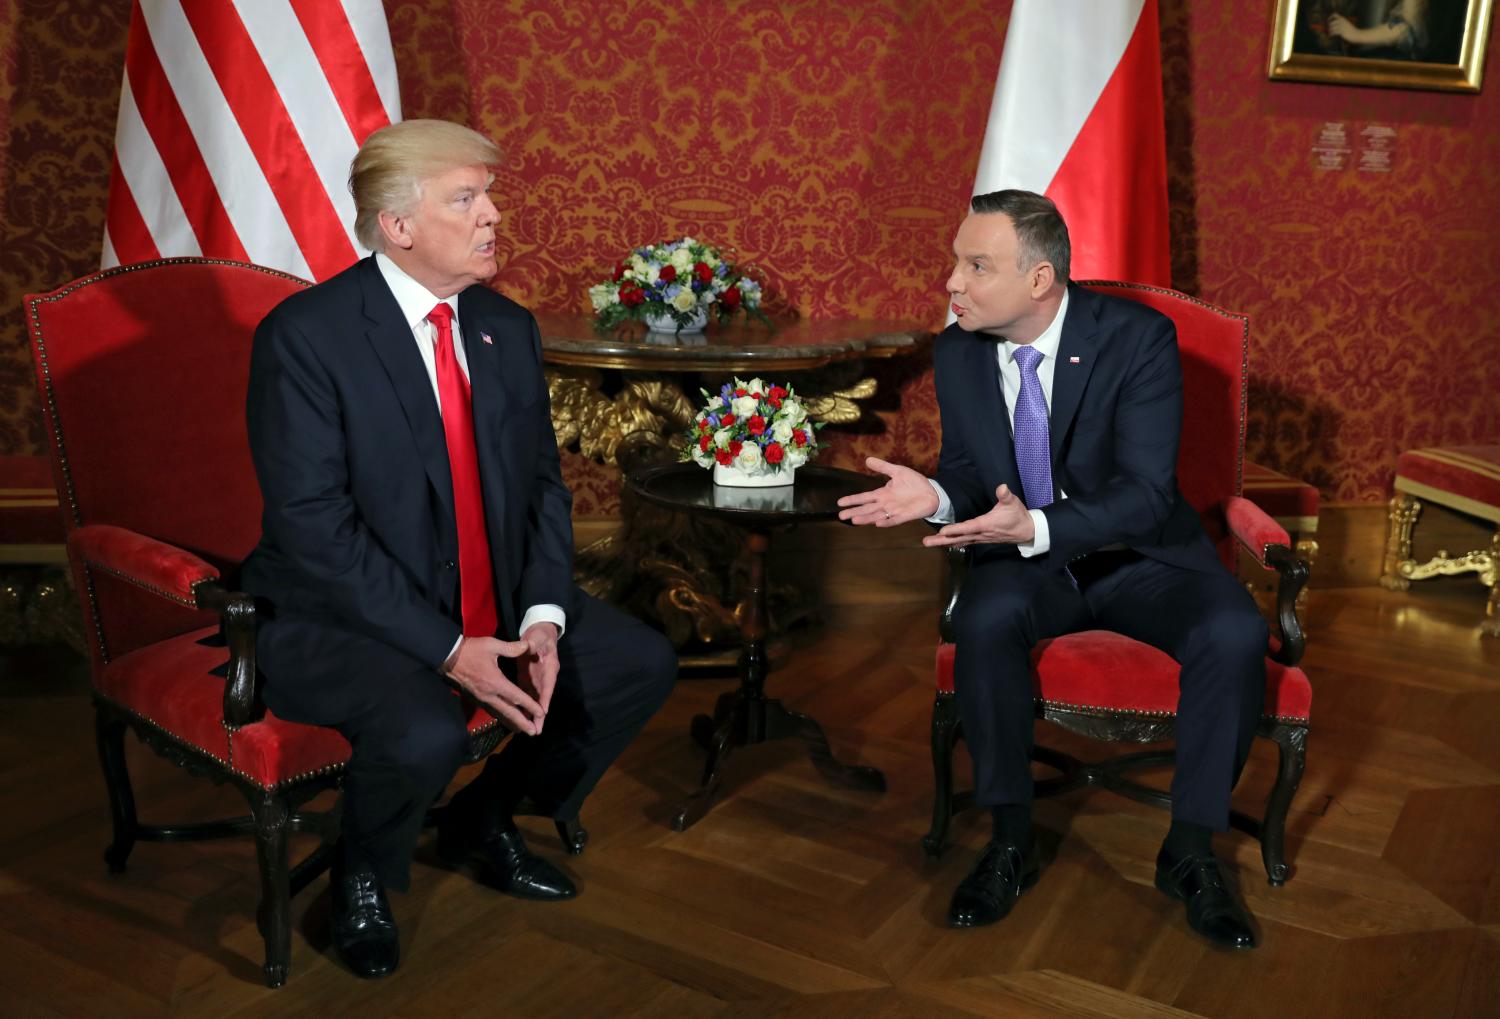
1071	360
485	338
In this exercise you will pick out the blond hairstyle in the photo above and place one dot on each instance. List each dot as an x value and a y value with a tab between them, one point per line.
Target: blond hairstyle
390	167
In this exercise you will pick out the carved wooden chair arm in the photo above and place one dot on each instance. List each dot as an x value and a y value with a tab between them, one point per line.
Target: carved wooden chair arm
181	577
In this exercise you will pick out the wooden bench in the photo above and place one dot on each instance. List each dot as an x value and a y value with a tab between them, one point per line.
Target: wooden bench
1462	478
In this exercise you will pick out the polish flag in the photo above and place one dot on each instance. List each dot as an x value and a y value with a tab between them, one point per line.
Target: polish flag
1077	116
238	120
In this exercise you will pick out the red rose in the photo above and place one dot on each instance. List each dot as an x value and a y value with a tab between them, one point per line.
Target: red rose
756	424
703	272
632	295
731	300
774	453
724	457
668	273
726	420
740	392
774	401
619	270
777	393
735	445
704	441
704	426
799	436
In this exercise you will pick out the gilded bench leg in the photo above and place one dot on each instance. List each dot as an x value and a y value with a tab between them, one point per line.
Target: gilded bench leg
1491	625
1403	516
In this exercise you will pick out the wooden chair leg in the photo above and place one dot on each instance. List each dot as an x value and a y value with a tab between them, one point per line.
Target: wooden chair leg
274	918
944	739
1291	742
109	734
573	834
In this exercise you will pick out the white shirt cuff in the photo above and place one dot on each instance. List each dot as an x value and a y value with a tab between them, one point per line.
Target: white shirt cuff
944	514
1041	541
546	613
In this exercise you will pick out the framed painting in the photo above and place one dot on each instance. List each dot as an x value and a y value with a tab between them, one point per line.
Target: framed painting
1432	44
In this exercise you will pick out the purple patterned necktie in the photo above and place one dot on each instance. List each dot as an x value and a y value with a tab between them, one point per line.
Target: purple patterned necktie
1033	448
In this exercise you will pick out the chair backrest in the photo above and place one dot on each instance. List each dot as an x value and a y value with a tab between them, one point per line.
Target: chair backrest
1215	350
142	371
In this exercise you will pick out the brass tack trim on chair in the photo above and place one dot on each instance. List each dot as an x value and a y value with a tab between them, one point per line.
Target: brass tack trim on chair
172	736
1098	712
163	592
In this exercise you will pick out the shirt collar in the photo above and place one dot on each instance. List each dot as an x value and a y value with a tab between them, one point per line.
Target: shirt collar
1051	338
415	300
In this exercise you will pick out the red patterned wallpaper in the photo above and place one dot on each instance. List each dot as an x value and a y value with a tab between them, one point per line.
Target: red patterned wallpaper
834	146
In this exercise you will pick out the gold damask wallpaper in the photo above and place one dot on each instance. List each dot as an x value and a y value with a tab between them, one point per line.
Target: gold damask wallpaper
833	145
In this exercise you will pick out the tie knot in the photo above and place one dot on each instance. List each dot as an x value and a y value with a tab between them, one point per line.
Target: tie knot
441	316
1028	357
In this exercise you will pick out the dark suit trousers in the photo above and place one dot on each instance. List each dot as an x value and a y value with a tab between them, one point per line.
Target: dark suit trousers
407	728
1204	620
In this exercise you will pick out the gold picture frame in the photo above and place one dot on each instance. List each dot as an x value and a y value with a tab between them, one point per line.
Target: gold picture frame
1427	44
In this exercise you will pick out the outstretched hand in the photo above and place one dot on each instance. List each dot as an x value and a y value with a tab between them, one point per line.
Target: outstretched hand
1008	522
906	496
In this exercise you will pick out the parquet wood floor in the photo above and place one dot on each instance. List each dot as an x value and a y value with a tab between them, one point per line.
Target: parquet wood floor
793	899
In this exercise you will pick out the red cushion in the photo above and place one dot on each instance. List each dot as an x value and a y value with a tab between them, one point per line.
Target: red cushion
171	685
1465	477
28	502
1109	672
1279	494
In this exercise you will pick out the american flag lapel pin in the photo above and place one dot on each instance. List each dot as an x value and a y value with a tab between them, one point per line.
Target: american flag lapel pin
485	338
1071	360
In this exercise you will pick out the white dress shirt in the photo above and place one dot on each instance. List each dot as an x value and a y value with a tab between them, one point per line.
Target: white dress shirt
416	302
1010	381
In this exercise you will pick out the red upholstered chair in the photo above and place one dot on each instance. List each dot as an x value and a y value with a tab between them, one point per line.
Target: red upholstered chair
1113	688
142	371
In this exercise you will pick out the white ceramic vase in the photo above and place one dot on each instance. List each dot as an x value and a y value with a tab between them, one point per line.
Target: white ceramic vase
663	322
734	477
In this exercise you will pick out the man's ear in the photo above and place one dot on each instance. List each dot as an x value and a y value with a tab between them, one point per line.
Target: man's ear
396	230
1042	278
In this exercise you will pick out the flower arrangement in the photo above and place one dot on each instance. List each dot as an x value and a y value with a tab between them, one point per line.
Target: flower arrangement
674	282
759	428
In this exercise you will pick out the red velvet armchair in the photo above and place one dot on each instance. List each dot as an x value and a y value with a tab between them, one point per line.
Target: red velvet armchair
1112	688
142	371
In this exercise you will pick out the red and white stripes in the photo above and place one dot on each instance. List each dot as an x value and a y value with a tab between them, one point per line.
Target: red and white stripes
238	119
1078	116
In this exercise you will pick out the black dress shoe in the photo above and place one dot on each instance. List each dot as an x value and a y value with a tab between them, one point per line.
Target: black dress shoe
364	932
502	859
993	887
1212	910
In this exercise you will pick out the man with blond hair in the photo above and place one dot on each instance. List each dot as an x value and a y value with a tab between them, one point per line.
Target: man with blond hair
416	538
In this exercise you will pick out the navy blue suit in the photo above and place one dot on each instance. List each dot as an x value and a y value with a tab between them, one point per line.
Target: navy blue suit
1114	424
358	560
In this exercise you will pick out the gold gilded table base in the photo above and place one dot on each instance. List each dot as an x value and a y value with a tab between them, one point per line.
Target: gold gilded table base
39	606
1399	569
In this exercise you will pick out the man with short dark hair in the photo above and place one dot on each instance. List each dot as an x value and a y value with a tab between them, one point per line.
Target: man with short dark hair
1061	412
417	539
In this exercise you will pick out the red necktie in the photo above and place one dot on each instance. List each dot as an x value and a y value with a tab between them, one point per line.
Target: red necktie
475	574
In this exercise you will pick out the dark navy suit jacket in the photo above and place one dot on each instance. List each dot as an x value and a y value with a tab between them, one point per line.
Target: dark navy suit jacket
1116	416
358	528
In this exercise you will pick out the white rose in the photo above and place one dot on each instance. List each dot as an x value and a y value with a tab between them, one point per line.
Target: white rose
795	457
715	401
701	458
638	266
706	298
749	457
757	385
602	295
781	431
653	274
744	406
685	300
721	438
682	258
792	411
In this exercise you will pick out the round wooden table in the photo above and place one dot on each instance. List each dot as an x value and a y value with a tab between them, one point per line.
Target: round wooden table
745	716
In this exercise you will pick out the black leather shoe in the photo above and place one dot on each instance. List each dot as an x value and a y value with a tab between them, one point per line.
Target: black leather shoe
993	886
364	932
503	860
1212	910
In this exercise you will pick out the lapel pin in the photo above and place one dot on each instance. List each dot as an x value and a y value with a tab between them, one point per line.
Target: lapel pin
1071	360
485	337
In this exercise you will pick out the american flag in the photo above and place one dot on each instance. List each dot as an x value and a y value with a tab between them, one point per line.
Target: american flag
238	119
